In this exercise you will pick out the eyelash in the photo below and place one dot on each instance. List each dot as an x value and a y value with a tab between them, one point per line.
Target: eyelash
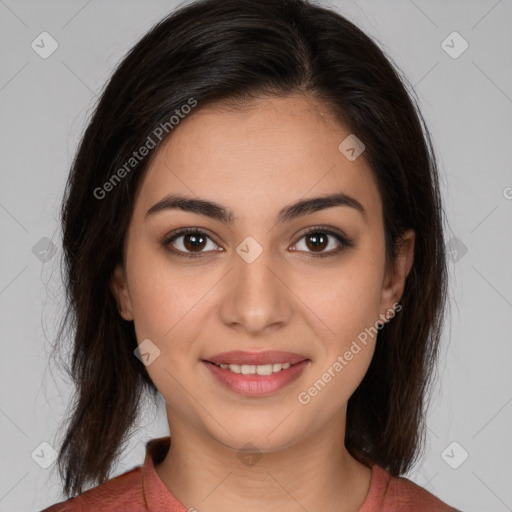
344	240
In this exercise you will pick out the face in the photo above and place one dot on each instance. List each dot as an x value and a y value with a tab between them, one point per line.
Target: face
256	275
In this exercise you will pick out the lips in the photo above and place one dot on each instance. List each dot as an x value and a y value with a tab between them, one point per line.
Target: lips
252	385
256	358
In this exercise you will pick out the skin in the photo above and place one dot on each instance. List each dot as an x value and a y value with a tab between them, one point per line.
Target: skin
255	161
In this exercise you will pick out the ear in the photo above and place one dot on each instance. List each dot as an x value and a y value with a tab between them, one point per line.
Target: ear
397	271
119	287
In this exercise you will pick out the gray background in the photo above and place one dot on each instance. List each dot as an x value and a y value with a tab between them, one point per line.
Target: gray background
467	102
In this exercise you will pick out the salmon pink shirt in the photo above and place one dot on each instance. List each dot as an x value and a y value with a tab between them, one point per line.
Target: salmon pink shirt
141	490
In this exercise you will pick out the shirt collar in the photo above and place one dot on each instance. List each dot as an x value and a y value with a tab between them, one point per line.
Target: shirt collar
156	495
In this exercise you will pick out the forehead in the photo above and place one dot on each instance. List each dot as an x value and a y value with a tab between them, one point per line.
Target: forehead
268	153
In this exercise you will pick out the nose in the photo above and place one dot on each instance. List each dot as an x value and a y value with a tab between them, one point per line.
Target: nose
256	296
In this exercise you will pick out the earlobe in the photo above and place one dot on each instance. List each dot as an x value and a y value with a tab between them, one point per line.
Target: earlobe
119	289
397	272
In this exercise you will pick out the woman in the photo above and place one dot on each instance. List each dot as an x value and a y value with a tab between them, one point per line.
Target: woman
253	229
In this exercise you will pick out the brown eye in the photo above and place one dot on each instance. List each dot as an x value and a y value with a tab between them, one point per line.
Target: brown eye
190	242
316	241
193	242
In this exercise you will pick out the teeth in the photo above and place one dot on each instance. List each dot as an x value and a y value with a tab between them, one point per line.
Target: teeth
247	369
261	369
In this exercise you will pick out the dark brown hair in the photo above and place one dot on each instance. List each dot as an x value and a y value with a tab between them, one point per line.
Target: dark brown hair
236	50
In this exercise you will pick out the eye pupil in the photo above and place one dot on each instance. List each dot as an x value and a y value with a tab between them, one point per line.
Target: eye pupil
319	240
191	241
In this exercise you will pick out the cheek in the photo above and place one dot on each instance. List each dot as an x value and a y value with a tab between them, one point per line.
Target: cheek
162	294
166	311
348	305
157	297
345	298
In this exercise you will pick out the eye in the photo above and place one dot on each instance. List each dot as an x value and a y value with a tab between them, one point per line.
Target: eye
192	245
318	239
192	242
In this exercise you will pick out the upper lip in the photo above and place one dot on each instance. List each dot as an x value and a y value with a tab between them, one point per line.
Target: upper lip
256	358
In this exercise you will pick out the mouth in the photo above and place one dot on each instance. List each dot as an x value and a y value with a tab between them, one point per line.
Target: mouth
256	374
256	358
251	369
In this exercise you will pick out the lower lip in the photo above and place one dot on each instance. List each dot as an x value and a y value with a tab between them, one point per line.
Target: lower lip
257	385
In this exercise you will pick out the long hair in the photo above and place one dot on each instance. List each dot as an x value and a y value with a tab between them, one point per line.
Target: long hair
232	51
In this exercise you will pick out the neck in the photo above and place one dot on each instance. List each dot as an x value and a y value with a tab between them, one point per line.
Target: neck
315	473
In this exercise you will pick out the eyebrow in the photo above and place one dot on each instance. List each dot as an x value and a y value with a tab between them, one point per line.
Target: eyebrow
286	214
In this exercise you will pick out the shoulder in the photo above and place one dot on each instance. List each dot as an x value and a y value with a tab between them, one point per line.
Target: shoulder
399	494
413	498
125	489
